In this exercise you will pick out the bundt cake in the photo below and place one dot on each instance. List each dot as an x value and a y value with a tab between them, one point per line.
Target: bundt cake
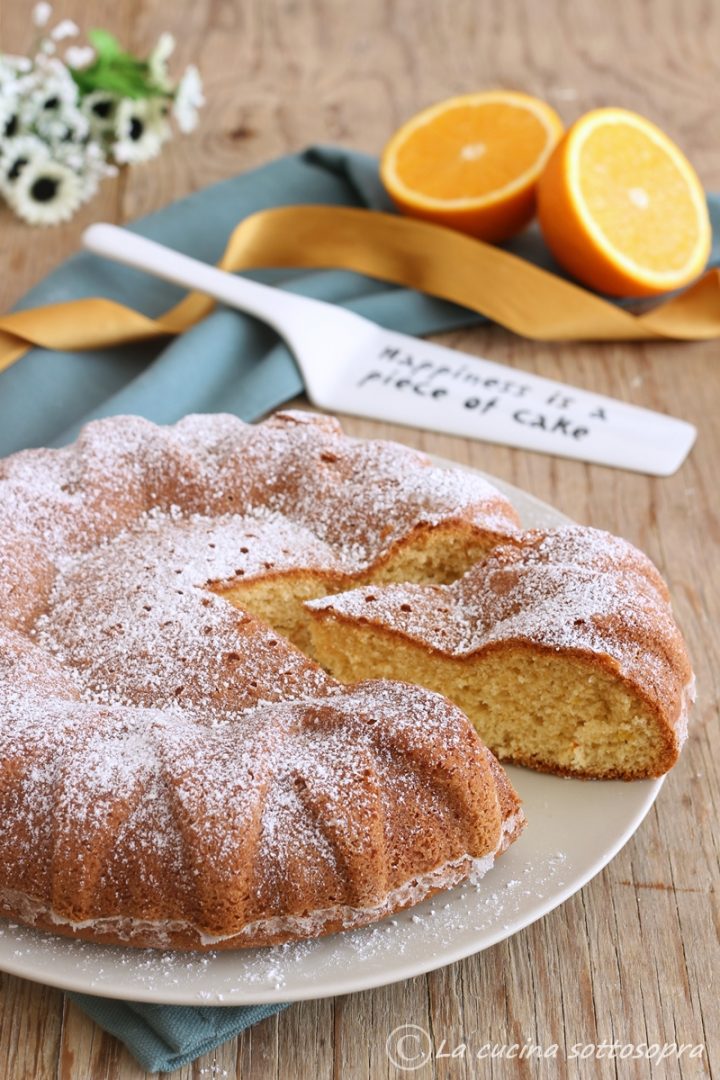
561	647
173	771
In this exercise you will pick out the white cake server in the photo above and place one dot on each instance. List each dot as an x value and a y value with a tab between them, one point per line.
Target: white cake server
352	365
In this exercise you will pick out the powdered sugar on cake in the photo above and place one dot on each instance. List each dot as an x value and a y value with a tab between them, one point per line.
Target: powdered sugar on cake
165	752
357	498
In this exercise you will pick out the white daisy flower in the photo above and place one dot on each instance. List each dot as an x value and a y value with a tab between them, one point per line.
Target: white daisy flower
157	61
189	98
100	108
57	144
46	193
65	29
41	14
140	130
18	154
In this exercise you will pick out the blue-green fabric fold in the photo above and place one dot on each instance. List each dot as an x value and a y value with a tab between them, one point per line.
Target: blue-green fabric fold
165	1037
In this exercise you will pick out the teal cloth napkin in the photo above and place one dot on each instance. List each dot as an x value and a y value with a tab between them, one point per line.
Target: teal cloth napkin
228	363
165	1037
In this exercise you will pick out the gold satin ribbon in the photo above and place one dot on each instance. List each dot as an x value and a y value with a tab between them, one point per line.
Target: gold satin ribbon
507	289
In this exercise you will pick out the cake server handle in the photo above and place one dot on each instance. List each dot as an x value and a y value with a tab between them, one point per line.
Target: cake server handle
314	330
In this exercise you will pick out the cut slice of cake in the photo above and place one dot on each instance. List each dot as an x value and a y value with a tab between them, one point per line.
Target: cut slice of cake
562	649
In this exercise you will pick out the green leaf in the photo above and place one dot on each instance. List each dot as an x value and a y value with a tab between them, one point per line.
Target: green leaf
123	74
115	70
106	45
83	80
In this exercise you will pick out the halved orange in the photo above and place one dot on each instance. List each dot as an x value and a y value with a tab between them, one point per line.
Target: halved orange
622	208
472	162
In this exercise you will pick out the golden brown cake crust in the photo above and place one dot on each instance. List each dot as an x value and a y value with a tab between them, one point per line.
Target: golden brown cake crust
172	771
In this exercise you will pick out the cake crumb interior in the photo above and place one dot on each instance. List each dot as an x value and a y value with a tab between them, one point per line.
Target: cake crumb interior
530	708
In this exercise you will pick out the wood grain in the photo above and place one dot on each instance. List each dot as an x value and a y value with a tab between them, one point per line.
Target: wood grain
634	956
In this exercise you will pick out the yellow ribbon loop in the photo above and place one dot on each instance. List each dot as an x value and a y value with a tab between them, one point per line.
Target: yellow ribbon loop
508	290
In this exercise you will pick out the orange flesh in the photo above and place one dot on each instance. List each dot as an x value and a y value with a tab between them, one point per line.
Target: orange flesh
473	151
637	197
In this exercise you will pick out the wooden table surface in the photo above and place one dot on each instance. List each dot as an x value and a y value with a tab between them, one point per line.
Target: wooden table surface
634	956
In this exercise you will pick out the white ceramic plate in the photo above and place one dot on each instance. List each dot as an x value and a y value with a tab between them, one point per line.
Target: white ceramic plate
574	829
